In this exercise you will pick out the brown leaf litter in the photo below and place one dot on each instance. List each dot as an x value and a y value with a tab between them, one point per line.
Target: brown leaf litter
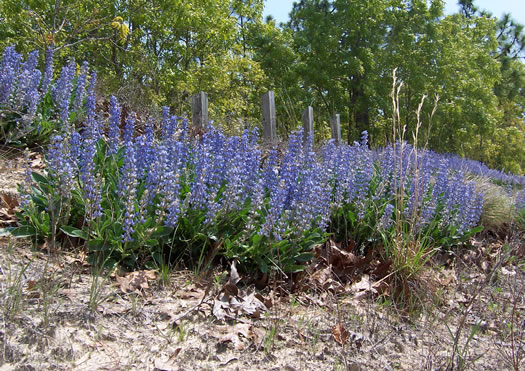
232	302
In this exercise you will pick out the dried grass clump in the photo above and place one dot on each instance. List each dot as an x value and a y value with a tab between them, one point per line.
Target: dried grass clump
498	208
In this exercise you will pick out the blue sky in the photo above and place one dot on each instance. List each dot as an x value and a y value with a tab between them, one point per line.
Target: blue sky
281	8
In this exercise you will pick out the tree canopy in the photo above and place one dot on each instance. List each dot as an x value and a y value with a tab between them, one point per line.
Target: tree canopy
336	55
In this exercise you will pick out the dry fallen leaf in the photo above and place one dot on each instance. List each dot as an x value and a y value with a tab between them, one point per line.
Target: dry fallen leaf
31	284
169	364
136	282
230	288
37	161
253	306
234	275
239	334
507	272
9	200
220	306
446	277
340	334
113	309
192	293
363	287
226	306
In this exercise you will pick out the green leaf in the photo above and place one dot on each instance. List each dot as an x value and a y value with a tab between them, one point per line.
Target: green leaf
162	231
351	216
256	239
263	266
74	232
294	268
476	230
38	178
24	231
98	244
305	257
151	243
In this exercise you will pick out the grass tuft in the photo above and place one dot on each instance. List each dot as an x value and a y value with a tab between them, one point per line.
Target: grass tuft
498	207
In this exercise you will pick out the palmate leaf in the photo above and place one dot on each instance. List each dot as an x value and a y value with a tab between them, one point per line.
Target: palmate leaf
38	178
74	232
42	222
304	257
294	268
24	231
162	231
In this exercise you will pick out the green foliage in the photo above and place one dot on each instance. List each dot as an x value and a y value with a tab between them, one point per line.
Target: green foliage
148	53
17	131
43	212
521	219
345	50
334	55
287	255
48	216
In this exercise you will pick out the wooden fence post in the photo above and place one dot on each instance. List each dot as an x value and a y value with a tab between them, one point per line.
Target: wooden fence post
335	125
269	117
308	122
200	110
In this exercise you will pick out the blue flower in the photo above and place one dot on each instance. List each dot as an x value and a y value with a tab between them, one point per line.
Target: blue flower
8	73
114	125
127	192
48	73
80	91
129	128
62	92
387	217
61	166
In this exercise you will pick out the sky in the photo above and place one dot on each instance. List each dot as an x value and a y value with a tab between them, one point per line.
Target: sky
281	8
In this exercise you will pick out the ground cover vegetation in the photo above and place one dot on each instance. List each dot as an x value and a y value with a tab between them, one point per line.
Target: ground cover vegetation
172	194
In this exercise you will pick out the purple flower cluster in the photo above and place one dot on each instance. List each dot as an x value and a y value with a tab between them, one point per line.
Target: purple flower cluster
283	192
48	72
19	84
80	90
350	169
387	218
9	67
145	149
62	166
90	182
208	158
62	92
127	191
481	169
429	182
243	171
298	190
22	87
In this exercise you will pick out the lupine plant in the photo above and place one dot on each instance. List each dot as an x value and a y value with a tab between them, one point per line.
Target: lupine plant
173	195
139	199
34	105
